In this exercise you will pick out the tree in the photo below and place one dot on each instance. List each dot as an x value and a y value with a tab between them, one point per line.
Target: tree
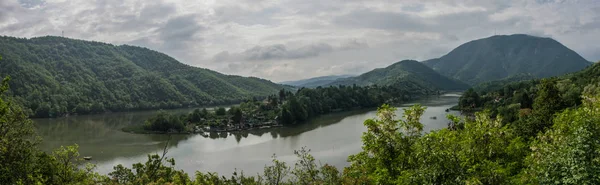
237	115
164	122
276	173
17	141
569	152
469	99
220	111
547	102
299	112
386	146
282	95
21	162
196	116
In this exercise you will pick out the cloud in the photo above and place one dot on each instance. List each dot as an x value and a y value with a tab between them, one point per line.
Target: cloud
293	39
276	51
32	3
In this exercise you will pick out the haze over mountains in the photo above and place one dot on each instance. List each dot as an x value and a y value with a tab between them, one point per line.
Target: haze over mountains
56	76
316	81
406	73
502	56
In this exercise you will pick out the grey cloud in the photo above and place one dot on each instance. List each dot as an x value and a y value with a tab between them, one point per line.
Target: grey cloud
278	51
265	52
6	9
367	18
222	56
397	21
157	10
353	44
182	28
272	39
238	14
414	8
31	3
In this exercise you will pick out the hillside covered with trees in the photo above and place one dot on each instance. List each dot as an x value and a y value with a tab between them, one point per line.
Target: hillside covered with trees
550	139
407	74
56	76
502	56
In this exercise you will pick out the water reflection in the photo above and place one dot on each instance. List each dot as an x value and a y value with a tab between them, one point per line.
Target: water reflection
291	130
331	138
101	136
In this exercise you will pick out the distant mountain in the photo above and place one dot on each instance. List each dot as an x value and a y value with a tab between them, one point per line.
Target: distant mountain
498	57
315	82
407	73
56	76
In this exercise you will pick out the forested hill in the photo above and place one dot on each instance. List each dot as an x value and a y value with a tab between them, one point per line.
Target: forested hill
499	57
316	81
56	76
408	74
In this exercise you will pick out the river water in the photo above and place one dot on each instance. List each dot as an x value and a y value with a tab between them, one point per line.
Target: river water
331	139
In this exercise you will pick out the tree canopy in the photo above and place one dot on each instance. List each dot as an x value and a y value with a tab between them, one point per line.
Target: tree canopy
57	76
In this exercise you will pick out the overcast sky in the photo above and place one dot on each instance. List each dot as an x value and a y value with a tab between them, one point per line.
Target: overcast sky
294	39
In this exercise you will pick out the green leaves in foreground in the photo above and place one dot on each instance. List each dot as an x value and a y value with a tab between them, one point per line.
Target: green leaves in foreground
396	152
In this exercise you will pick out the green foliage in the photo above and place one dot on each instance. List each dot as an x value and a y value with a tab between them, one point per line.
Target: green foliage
483	151
221	111
276	173
386	146
164	122
21	162
17	141
157	170
568	153
410	75
500	145
469	100
57	76
236	114
308	103
546	103
505	56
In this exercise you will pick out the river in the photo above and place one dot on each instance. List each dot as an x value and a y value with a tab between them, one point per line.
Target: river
331	139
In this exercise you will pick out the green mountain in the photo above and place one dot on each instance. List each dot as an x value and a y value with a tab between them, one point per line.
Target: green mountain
499	84
56	76
408	74
499	57
316	81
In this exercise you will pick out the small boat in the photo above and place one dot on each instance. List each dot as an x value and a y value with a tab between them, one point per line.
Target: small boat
87	158
433	117
447	110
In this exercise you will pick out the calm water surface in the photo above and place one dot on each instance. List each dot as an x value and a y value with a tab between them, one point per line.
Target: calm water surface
331	139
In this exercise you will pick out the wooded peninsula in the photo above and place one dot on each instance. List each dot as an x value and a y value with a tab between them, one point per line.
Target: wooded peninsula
285	108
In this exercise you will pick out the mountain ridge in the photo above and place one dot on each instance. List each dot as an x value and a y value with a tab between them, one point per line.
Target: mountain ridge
501	56
315	81
404	73
57	76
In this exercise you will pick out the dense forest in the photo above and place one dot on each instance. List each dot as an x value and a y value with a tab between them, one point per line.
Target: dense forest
529	132
407	74
504	56
57	76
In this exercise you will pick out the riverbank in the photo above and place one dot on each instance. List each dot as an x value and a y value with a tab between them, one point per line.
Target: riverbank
250	115
331	137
